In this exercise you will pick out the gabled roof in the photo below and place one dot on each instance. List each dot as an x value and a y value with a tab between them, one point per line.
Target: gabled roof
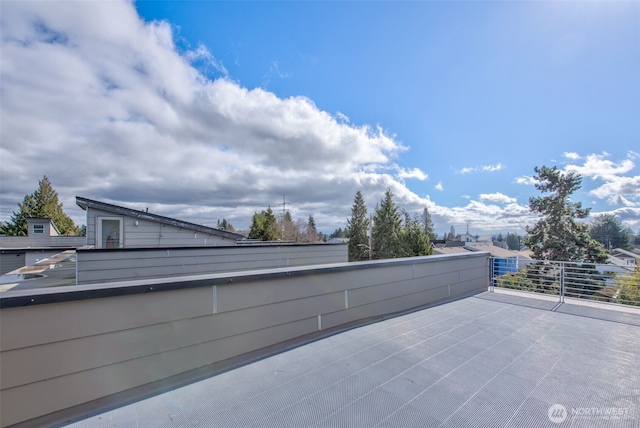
85	203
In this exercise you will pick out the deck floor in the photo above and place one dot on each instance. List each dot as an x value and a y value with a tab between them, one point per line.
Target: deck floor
489	360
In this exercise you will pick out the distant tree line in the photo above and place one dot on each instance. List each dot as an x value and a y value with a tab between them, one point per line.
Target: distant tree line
389	233
266	227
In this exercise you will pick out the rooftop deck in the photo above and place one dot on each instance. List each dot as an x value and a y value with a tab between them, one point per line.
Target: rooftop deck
494	359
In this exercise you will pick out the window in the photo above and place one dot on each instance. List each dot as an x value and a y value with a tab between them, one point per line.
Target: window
110	232
38	229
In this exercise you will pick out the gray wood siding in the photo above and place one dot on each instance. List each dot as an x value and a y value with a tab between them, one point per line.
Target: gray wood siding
10	261
95	349
122	264
149	234
42	241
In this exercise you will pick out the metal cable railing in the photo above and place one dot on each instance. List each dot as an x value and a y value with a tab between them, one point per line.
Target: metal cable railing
598	282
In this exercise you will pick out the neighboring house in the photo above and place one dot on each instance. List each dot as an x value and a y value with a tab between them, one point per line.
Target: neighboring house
504	261
113	226
466	237
620	257
43	240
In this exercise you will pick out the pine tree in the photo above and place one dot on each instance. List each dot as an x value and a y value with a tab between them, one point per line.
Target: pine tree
387	229
357	228
42	203
427	223
415	239
557	235
312	232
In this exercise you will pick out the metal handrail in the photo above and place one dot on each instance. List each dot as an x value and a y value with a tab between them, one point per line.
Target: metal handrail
598	282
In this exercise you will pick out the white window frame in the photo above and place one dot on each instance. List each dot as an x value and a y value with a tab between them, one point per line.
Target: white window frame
38	229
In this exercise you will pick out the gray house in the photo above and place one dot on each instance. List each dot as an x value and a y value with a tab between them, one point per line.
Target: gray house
112	226
43	240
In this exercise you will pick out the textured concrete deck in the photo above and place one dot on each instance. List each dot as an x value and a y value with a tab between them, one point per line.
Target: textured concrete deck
489	360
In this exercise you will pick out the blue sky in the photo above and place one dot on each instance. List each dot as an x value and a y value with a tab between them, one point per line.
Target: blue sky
449	104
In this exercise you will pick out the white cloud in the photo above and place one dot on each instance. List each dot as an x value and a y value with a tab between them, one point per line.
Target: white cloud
621	200
617	188
525	179
122	116
483	168
497	197
492	168
571	155
342	117
597	166
412	173
202	55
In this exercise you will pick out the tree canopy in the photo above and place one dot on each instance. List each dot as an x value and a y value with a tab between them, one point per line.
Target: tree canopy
558	235
427	224
42	203
609	231
225	225
264	226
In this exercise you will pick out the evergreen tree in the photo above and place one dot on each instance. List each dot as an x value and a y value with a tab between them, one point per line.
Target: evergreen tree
387	229
225	225
427	224
264	226
415	239
312	232
338	233
513	241
42	203
609	231
357	228
557	235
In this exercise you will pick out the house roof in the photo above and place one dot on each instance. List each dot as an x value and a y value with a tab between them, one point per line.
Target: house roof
619	252
85	203
475	246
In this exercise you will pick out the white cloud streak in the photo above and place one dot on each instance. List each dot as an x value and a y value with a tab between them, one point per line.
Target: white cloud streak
483	168
497	197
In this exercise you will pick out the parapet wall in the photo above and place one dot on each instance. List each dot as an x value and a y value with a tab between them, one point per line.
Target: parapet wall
69	351
96	266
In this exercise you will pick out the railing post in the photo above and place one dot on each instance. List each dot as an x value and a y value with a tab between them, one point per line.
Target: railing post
491	276
562	282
